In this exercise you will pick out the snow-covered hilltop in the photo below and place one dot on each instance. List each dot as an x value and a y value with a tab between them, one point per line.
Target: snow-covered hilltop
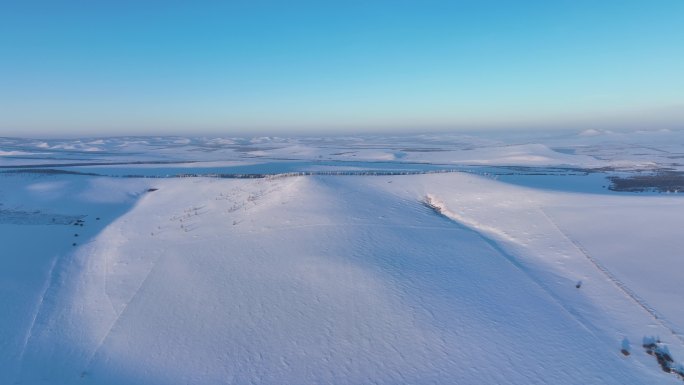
447	259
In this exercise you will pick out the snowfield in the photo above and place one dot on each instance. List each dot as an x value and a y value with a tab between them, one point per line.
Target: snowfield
445	278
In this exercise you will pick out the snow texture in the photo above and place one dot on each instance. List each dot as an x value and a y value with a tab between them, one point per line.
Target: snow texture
459	277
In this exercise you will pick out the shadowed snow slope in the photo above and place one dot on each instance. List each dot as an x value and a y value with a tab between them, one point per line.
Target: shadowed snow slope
313	280
43	219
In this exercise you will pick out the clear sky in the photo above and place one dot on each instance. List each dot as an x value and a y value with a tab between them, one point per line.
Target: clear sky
148	67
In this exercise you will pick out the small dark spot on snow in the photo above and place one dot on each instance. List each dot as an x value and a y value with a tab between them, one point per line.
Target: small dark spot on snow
152	189
624	352
73	244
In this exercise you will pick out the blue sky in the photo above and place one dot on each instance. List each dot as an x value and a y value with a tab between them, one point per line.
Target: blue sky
107	67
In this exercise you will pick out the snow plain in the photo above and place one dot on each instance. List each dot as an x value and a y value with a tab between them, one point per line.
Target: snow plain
465	276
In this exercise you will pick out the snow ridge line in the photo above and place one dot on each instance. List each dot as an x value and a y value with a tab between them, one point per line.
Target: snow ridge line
440	209
617	282
118	316
39	307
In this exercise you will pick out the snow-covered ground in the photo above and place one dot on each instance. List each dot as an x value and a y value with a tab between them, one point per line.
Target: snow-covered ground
453	277
588	149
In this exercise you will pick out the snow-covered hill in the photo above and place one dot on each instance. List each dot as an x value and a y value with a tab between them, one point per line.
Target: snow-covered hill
440	278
